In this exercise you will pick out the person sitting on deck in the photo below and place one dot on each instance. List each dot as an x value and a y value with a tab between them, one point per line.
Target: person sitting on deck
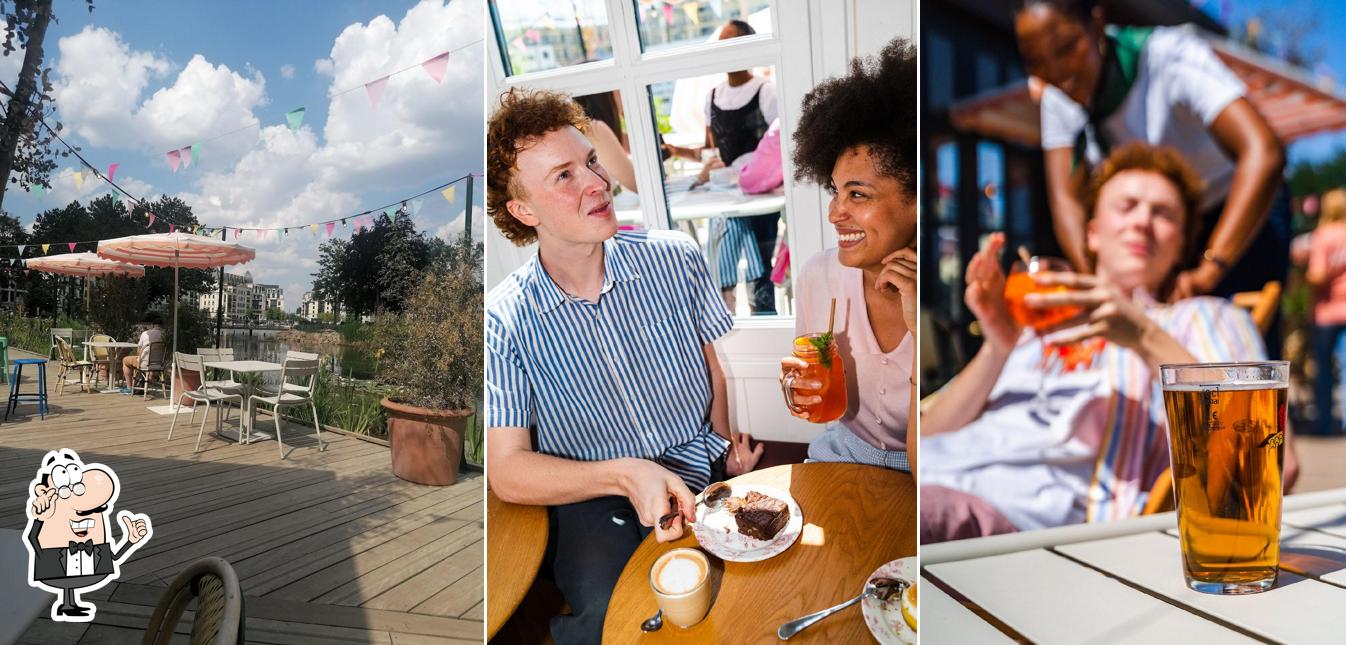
139	361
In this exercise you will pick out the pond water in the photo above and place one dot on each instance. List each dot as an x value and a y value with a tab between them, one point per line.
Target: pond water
265	345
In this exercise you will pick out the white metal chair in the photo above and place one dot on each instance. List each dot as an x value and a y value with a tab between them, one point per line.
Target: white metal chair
211	355
304	370
66	333
68	364
268	390
202	394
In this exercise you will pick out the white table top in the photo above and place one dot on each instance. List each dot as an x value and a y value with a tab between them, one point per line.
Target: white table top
103	343
1122	582
243	366
20	604
710	201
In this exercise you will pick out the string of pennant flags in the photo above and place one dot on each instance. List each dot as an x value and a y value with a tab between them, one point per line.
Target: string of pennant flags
435	67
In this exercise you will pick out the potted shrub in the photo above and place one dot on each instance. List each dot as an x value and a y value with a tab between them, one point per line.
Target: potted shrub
432	355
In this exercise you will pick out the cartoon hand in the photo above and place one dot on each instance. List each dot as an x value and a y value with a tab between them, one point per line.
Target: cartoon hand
136	529
45	504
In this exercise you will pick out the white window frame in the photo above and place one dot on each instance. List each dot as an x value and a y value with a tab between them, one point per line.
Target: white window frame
630	72
810	40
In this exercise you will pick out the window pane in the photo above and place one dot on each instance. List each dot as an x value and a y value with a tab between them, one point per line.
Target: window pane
946	178
666	25
537	35
990	184
728	196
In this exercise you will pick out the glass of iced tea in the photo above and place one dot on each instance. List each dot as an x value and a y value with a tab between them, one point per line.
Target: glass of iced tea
1226	428
824	366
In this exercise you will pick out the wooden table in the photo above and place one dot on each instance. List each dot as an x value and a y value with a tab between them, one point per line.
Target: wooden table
244	367
856	518
518	540
20	604
1122	582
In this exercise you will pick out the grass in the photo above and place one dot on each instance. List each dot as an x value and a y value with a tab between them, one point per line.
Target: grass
34	334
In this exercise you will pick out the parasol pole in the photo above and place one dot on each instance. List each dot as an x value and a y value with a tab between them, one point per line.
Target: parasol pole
173	383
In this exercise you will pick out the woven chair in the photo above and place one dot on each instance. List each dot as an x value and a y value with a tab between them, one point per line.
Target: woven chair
60	332
103	356
69	364
219	615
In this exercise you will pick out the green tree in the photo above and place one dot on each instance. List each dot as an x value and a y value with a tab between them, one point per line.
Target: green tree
376	270
26	145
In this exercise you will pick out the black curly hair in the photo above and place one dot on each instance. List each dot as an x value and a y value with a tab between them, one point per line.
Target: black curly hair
874	105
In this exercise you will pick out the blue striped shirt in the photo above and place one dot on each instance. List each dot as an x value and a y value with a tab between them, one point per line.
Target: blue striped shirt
622	377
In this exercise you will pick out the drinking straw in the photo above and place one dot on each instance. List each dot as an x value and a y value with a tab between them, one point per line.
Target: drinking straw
1023	255
831	316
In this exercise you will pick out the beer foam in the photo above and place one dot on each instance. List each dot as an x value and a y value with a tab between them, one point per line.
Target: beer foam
679	575
1227	387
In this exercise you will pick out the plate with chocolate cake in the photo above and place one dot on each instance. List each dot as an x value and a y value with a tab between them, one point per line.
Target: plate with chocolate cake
756	522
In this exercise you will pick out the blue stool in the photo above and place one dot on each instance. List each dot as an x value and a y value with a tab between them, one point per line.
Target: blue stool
40	396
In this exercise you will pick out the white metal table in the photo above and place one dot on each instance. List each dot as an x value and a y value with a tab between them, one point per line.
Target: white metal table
113	368
1122	582
244	367
20	604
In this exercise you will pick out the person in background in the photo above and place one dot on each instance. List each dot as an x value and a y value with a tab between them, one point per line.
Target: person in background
857	137
604	124
1108	86
993	462
1327	275
140	360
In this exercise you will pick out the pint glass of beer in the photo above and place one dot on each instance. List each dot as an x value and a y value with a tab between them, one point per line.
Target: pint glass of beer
1226	429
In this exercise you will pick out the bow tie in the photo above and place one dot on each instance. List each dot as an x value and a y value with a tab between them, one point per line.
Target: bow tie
85	546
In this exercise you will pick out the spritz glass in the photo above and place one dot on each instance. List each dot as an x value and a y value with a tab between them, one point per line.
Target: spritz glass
1021	282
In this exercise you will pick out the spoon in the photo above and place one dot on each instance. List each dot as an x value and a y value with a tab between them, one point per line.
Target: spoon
713	497
880	588
653	623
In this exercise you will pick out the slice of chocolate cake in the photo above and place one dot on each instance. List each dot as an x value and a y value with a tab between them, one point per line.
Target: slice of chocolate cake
759	516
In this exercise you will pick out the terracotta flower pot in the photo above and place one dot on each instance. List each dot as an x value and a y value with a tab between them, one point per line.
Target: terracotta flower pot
190	381
427	444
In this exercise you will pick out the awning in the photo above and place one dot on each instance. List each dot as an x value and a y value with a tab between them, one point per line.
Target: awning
1293	104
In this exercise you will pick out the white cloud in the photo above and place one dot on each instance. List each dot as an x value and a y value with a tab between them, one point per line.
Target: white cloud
323	66
101	81
287	71
453	228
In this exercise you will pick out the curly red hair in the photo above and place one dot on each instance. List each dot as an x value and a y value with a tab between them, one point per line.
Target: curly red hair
523	117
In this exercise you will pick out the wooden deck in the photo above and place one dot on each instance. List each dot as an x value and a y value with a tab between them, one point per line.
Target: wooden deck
329	546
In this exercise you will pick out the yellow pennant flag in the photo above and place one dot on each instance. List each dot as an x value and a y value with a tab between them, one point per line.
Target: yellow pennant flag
314	227
448	193
79	180
44	248
692	14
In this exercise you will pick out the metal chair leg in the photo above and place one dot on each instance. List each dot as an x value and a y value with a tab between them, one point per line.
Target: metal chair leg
200	431
317	432
275	415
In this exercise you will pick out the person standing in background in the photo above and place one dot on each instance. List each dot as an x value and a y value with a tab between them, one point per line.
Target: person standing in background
1327	276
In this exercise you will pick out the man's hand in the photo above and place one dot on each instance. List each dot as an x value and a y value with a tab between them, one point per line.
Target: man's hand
135	528
649	486
985	296
45	504
742	456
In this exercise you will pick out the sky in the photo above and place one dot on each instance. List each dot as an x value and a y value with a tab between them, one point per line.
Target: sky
1329	16
135	79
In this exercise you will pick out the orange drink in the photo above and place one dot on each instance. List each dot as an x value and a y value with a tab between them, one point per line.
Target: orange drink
824	366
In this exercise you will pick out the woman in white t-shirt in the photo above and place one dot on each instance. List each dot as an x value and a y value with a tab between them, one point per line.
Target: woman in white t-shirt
1165	86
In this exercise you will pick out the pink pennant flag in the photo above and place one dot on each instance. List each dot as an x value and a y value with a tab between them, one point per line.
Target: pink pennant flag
436	67
330	226
112	171
375	90
171	227
72	247
151	216
186	155
173	159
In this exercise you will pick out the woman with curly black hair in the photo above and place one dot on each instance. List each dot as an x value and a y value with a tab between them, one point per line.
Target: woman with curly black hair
857	138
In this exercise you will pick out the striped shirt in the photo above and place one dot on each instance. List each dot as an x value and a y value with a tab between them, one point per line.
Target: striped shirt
622	377
1092	453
